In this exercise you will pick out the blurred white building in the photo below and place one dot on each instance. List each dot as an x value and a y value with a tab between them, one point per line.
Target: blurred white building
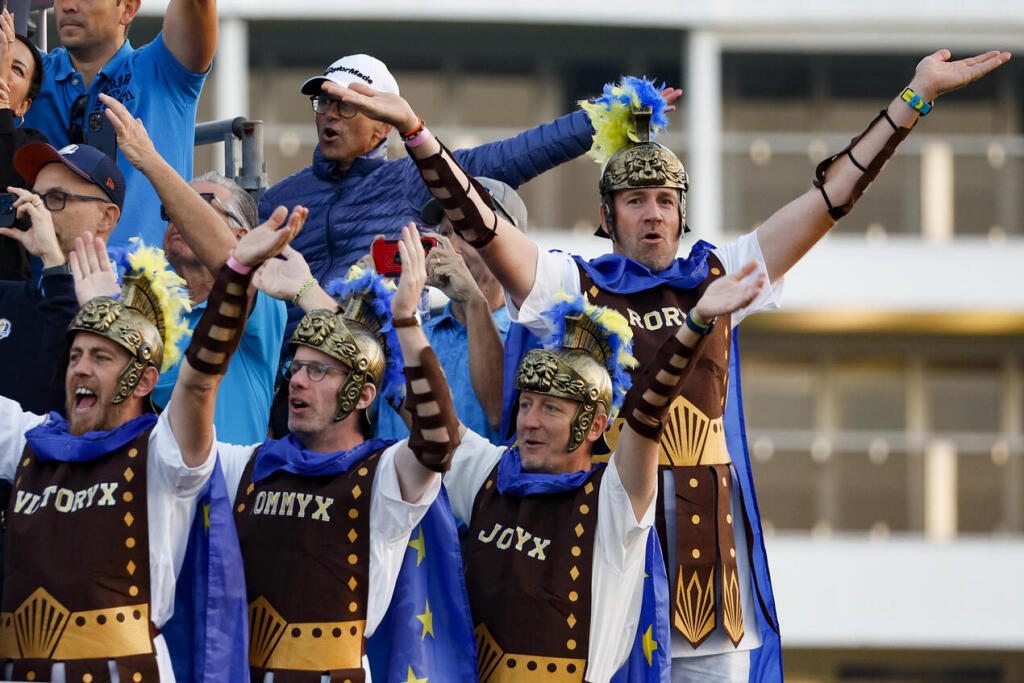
884	403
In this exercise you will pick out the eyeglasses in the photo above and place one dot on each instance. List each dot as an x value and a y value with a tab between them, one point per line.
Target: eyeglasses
315	370
76	131
214	200
56	200
322	105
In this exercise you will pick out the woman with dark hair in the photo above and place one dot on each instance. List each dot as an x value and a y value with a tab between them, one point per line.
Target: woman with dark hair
21	75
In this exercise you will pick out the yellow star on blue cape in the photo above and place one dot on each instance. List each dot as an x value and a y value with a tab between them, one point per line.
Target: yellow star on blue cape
421	547
206	516
412	678
650	644
427	619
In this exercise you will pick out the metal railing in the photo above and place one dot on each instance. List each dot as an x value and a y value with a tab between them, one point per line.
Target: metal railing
243	151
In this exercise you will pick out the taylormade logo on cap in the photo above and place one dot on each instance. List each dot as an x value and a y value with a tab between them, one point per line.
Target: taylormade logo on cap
352	69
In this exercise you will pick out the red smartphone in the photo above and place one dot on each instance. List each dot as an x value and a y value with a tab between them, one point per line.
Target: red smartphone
388	261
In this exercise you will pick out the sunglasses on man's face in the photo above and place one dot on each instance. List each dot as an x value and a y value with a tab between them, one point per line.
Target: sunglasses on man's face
210	198
76	131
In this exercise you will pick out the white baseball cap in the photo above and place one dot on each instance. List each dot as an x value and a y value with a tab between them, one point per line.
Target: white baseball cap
354	69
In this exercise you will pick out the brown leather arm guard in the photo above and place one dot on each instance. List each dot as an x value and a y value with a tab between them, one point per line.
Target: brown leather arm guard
647	402
429	400
474	226
870	172
219	331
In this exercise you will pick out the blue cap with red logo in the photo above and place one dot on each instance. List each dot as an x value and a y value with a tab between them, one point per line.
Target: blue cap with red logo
83	160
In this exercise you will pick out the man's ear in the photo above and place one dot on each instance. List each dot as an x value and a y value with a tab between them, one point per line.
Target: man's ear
147	382
604	221
108	221
380	131
366	397
129	8
597	427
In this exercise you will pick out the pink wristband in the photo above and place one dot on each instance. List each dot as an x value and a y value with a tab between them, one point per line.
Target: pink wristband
420	138
237	266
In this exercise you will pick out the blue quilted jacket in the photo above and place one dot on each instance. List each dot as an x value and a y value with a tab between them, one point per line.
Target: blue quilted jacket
377	196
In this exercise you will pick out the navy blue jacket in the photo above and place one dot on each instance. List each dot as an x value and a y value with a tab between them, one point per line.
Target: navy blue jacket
377	196
33	328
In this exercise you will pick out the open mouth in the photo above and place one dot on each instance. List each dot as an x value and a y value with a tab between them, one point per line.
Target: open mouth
85	399
330	135
651	237
297	405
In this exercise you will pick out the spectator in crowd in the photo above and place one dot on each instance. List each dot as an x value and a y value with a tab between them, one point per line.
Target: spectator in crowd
355	193
21	74
158	83
206	221
74	190
468	334
327	570
130	478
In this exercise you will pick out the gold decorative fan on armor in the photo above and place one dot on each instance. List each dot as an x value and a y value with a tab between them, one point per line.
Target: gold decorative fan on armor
266	627
488	654
694	609
39	623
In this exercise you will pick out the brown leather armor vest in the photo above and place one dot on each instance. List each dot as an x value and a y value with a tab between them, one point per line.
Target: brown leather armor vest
306	548
529	563
76	587
693	446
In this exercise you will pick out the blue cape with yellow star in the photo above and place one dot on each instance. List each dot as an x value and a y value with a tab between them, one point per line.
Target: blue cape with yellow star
426	635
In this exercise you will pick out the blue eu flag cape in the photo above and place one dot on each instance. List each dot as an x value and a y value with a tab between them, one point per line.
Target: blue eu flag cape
621	275
427	632
650	659
208	634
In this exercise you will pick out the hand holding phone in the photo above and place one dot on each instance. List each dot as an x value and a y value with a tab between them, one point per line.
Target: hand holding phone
9	214
386	259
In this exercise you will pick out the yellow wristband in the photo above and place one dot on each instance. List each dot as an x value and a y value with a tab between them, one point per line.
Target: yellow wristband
302	290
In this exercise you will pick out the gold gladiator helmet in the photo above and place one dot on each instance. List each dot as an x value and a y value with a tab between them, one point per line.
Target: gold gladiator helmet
626	119
146	319
586	361
361	337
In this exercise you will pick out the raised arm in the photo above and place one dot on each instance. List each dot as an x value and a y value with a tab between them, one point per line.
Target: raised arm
510	255
190	32
218	333
447	271
661	380
434	432
197	221
840	180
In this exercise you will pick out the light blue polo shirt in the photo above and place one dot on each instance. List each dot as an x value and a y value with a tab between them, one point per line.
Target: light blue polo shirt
450	341
156	88
243	399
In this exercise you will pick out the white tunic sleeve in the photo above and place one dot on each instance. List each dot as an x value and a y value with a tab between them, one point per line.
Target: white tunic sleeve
734	256
472	462
620	546
14	422
556	271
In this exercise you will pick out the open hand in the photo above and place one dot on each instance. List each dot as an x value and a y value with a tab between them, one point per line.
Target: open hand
447	270
379	106
670	95
91	269
282	278
414	274
6	51
936	75
271	237
132	138
730	293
